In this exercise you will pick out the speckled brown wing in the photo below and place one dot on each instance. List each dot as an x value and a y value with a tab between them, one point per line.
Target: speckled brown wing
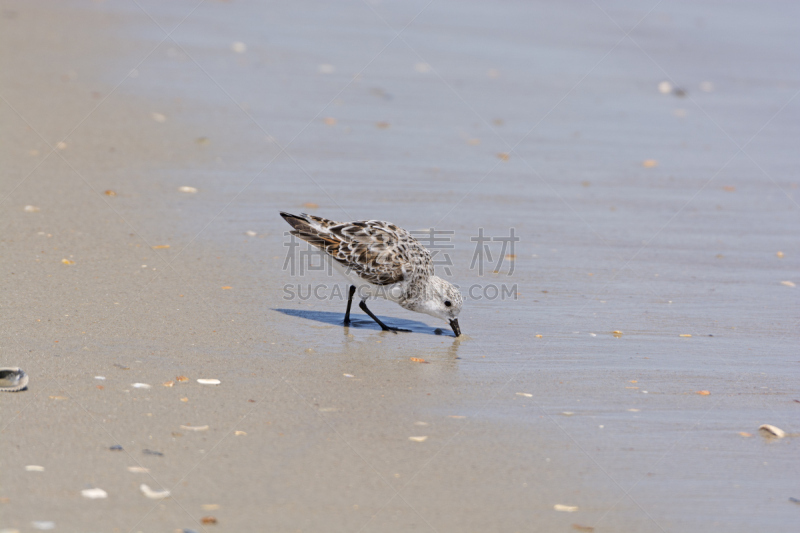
379	252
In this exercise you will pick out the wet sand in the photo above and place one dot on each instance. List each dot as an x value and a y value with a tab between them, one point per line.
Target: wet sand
309	429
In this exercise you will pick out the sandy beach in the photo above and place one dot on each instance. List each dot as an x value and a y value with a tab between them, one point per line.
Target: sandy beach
615	366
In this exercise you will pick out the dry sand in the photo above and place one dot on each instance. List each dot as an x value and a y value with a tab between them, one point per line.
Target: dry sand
309	429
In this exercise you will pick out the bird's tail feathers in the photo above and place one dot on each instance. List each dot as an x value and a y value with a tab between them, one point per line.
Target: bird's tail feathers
311	229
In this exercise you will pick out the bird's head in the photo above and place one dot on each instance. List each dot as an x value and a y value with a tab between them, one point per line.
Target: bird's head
442	300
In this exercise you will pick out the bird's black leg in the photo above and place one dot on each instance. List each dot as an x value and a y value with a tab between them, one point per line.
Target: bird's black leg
349	303
384	327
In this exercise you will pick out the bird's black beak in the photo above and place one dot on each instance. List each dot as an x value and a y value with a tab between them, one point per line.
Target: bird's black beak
454	325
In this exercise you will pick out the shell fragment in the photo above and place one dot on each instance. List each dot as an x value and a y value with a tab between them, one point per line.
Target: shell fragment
208	381
153	494
772	431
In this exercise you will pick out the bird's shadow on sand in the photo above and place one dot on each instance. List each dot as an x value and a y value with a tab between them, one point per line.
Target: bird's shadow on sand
363	321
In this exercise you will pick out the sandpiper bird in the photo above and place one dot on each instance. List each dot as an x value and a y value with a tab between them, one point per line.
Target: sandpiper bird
383	260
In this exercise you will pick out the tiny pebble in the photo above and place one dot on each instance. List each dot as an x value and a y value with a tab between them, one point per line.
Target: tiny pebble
141	386
707	87
788	283
418	439
186	188
348	375
99	377
31	209
34	468
152	452
138	470
527	395
250	233
44	525
665	87
116	448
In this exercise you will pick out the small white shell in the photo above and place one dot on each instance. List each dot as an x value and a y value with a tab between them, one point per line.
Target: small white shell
153	494
138	469
418	439
772	431
34	468
188	189
94	494
194	428
209	381
141	386
565	508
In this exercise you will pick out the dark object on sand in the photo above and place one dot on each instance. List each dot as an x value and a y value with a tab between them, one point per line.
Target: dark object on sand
13	379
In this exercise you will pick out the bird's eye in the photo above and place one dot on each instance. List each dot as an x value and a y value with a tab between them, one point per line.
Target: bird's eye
448	303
